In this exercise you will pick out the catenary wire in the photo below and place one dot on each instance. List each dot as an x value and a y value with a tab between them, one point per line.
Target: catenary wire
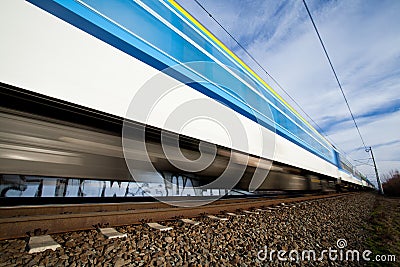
334	72
266	72
258	64
281	87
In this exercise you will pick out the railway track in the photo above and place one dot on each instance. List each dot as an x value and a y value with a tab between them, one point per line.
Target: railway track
17	222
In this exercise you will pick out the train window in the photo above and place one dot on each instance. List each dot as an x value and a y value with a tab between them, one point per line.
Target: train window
346	166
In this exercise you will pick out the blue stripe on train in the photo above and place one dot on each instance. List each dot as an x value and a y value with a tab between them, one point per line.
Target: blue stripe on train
102	29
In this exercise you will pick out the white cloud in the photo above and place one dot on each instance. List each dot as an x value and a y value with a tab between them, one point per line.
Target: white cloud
363	41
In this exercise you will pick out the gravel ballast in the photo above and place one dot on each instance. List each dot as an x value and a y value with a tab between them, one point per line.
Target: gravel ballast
240	241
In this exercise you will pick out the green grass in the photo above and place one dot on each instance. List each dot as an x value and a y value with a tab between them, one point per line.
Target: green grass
383	229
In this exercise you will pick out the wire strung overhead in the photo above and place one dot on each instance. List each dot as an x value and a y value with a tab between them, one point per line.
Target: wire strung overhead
279	85
258	64
266	72
334	72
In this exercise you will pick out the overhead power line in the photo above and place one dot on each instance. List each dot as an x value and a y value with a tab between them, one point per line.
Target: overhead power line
272	78
258	64
334	72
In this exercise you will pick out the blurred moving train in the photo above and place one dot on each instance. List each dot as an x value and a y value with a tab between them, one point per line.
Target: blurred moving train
70	69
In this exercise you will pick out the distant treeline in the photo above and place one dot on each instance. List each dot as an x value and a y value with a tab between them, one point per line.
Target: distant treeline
391	184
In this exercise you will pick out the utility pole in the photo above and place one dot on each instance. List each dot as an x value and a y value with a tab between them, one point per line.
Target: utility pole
376	170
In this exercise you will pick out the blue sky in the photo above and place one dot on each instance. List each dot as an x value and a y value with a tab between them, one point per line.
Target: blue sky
363	40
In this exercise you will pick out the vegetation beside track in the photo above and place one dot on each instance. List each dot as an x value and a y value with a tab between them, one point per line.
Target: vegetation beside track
383	228
391	184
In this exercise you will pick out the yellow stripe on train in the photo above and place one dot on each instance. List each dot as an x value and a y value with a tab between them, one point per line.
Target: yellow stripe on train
226	49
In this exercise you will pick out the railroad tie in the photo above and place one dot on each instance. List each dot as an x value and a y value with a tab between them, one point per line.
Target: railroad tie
111	233
234	214
250	212
261	210
160	227
41	243
189	221
217	218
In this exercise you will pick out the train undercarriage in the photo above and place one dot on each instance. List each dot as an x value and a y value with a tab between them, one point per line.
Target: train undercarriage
47	143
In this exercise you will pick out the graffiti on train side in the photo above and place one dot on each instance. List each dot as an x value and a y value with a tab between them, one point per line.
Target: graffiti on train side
35	186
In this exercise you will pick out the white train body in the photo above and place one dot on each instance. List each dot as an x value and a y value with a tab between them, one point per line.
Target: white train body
66	60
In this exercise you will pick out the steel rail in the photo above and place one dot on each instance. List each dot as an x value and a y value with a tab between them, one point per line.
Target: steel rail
18	222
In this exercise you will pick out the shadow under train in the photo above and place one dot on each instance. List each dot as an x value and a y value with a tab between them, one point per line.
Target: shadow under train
52	140
39	146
